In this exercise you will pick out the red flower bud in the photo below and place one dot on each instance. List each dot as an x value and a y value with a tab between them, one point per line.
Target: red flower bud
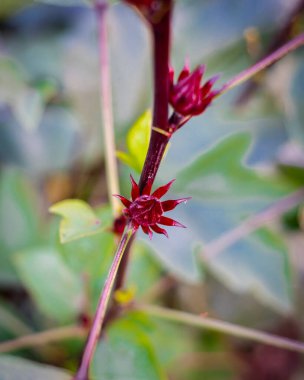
187	96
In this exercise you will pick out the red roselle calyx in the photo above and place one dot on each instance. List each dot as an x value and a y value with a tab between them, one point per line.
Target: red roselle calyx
187	96
146	210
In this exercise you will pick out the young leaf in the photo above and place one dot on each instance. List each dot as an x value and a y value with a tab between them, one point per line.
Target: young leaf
56	290
79	219
13	368
137	142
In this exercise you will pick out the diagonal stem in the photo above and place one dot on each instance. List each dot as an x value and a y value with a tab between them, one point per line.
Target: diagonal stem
42	338
252	224
221	326
263	64
98	321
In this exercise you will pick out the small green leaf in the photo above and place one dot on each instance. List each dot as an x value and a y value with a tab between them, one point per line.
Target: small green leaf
127	354
13	368
56	290
221	174
79	219
137	142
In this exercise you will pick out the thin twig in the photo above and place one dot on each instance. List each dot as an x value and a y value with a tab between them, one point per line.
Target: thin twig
106	107
222	326
43	338
94	334
261	65
252	224
279	39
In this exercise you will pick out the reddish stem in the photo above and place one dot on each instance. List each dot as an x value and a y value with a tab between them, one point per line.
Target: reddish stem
159	141
83	371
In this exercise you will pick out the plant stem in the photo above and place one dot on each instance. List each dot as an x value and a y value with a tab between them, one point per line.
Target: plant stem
158	141
264	63
95	331
221	326
280	38
101	7
253	223
44	337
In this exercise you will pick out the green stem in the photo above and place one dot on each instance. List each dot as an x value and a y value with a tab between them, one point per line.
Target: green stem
43	338
221	326
98	321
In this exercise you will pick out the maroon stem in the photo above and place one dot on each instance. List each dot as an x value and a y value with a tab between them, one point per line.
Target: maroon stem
159	141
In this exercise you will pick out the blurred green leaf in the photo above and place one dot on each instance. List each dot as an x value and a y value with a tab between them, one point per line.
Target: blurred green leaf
295	114
221	174
11	324
137	142
56	290
25	101
12	368
90	258
144	271
7	7
260	265
19	222
127	354
78	219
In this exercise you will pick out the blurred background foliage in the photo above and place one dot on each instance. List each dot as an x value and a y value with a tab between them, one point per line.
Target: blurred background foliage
235	160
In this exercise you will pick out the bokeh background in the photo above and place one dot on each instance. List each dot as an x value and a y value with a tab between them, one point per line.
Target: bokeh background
240	157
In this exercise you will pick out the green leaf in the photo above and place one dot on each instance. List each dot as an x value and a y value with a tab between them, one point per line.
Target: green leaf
25	101
259	265
56	290
19	224
7	7
221	174
13	368
127	354
137	142
144	271
79	219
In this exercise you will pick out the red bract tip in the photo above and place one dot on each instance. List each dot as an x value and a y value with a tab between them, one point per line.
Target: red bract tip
146	210
187	96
